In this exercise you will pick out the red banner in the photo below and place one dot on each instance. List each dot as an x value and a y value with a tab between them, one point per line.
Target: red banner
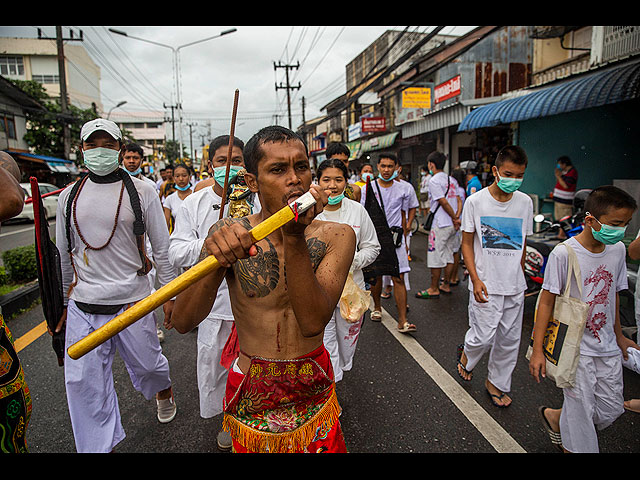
373	124
448	89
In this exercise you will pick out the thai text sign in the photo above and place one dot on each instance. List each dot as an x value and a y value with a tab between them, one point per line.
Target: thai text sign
374	124
416	97
448	89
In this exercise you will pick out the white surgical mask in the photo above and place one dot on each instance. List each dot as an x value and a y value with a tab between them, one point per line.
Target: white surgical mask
101	161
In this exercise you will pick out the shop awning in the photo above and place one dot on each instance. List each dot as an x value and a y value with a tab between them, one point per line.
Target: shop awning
594	90
379	143
54	164
355	149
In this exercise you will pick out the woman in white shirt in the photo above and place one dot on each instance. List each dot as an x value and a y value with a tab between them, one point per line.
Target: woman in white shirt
340	336
172	202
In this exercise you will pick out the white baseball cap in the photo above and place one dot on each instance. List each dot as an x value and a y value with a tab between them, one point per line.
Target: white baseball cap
100	124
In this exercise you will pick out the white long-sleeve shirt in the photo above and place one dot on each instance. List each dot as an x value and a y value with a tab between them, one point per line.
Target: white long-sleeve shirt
367	245
110	276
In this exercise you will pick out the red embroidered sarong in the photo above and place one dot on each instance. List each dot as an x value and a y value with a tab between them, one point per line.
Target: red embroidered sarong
284	406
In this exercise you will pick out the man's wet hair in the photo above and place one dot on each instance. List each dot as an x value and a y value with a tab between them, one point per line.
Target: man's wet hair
389	156
438	159
337	148
223	140
513	154
602	199
253	151
134	147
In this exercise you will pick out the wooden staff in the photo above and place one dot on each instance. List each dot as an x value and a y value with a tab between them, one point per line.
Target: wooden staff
173	288
231	136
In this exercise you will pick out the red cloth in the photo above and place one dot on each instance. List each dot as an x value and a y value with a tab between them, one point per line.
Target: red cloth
284	406
231	349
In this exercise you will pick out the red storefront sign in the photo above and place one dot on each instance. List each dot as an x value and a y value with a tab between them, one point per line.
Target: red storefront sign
373	124
448	89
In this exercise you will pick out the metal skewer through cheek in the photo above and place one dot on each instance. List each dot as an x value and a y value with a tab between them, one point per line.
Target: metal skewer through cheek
182	282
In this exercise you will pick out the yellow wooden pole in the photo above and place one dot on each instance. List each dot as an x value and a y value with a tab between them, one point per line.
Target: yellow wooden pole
188	278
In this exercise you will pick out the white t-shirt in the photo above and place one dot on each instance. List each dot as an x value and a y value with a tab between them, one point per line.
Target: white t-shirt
173	202
424	183
437	190
109	276
500	232
603	276
367	246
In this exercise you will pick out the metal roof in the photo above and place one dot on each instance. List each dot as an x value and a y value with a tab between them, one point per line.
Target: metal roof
593	90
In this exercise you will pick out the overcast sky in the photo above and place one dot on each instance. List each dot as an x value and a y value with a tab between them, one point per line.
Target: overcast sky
142	74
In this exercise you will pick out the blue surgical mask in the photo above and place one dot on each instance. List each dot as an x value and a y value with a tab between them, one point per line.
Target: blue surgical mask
367	176
509	185
337	199
135	172
186	187
608	234
395	174
220	172
101	161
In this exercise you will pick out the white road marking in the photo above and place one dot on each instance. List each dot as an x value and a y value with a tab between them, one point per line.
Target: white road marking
479	418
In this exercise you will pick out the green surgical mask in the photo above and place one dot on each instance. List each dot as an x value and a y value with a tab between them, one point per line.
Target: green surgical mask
509	185
608	234
220	172
336	200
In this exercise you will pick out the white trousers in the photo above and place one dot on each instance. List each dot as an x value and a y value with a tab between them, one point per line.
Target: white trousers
340	340
92	399
212	377
495	326
593	404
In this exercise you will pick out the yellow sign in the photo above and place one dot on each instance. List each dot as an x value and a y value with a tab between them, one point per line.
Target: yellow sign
416	97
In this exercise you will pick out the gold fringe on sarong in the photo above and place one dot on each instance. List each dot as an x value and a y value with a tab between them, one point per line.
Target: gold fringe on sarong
284	442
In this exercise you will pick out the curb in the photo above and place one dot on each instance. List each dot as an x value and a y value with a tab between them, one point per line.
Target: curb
19	299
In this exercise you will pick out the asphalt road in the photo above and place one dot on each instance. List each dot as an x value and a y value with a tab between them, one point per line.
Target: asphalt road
403	394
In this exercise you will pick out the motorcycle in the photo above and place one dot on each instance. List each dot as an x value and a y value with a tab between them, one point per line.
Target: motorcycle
538	247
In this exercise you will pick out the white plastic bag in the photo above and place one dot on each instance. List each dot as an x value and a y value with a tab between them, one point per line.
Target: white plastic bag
354	301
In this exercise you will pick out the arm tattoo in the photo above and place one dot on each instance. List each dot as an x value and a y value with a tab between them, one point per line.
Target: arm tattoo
214	228
317	250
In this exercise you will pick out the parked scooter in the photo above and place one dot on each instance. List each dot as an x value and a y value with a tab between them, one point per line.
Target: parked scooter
538	247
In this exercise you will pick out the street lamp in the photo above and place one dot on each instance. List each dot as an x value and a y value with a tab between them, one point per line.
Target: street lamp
112	108
176	65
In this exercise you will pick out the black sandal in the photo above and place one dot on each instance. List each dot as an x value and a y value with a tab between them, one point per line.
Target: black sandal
469	373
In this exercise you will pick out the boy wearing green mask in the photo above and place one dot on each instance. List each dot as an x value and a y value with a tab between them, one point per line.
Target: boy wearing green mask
495	223
597	398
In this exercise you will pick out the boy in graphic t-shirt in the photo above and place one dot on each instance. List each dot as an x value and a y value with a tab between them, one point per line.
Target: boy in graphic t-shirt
495	223
596	400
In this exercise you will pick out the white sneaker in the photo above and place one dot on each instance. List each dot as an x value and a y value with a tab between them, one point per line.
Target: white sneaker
160	334
166	409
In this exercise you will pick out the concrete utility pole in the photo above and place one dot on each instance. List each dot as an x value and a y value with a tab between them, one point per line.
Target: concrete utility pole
173	121
288	87
62	79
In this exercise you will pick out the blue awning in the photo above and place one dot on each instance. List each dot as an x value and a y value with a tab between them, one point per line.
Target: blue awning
55	164
594	90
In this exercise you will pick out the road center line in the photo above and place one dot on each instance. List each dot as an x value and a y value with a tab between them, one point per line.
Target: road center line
30	336
486	425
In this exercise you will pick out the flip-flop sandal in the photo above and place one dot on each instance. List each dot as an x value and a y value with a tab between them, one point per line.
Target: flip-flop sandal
408	327
385	295
376	316
469	373
426	295
555	437
495	397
